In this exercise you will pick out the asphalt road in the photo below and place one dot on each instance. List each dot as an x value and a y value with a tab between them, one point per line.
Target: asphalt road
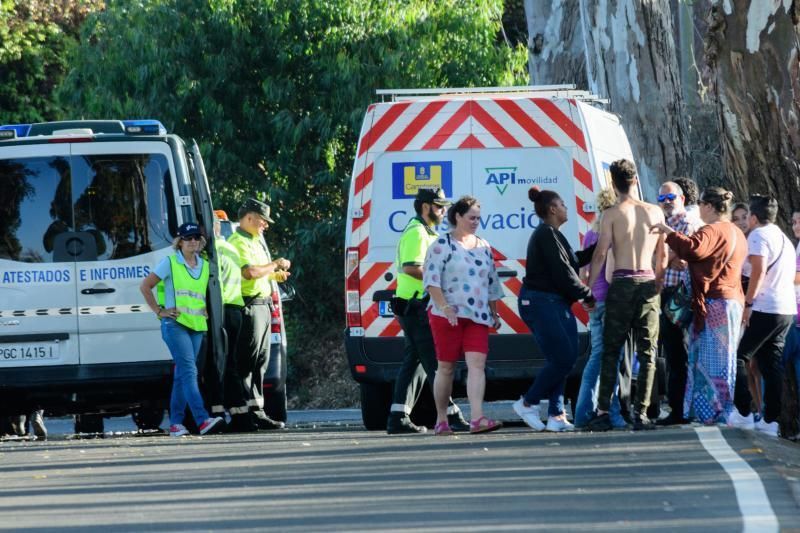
338	477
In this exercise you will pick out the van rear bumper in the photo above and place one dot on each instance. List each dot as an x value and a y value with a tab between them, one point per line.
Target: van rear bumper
513	362
75	389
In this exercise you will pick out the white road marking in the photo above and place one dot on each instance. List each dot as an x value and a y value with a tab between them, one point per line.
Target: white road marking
757	513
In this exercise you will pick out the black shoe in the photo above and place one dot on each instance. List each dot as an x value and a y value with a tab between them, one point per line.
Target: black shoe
457	422
241	424
399	424
265	422
642	423
599	423
672	420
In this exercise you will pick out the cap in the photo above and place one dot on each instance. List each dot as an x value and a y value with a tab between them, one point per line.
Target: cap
433	196
190	228
251	205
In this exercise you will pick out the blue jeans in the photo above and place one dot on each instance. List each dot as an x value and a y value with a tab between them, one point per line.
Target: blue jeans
587	396
184	345
791	353
555	330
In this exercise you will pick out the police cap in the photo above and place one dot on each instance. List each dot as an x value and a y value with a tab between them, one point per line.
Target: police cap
251	205
433	196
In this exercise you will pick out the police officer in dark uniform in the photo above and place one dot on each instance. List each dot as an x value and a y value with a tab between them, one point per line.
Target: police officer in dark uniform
252	350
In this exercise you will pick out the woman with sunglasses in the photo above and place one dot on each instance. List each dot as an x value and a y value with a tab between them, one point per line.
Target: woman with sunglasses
182	280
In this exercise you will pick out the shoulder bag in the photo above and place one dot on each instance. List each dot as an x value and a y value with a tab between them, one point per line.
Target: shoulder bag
678	305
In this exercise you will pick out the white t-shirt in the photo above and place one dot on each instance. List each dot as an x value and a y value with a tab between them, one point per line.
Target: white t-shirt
776	295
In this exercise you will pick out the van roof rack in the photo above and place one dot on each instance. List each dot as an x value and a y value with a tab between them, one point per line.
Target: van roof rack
455	93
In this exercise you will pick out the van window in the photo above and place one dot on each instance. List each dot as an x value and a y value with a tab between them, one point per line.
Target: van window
122	199
36	207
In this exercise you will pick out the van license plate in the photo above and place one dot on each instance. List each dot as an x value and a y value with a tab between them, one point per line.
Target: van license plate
385	309
29	351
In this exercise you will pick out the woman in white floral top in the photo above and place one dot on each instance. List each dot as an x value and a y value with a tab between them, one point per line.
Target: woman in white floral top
460	276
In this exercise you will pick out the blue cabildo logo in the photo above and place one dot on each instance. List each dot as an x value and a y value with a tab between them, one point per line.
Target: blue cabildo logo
408	178
502	177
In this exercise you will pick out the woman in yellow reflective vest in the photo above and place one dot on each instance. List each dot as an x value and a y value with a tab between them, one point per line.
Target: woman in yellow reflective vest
181	307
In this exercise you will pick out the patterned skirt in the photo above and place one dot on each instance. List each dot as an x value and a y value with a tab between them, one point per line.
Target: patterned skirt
712	363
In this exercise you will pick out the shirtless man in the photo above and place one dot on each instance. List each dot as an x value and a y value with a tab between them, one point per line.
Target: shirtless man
632	302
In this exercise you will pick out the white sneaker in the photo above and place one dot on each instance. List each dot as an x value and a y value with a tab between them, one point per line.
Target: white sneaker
529	415
770	428
557	425
178	430
736	420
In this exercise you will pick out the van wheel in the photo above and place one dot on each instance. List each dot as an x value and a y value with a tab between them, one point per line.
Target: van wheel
376	398
148	419
424	412
89	424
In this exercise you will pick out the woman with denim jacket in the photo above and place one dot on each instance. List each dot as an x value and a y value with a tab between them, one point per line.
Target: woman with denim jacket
550	287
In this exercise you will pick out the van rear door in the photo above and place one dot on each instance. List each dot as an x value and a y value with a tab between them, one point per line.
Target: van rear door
38	321
125	216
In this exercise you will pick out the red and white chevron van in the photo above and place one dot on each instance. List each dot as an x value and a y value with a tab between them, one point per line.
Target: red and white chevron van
494	144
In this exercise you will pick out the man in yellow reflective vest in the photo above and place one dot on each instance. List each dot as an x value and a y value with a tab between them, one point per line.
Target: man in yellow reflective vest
252	349
223	384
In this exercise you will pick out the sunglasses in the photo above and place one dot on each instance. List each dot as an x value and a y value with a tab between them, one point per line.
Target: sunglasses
664	197
191	238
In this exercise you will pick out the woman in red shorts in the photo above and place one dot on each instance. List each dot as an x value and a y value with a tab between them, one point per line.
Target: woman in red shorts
459	275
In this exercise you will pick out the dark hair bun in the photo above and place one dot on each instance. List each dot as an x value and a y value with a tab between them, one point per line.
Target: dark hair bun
534	193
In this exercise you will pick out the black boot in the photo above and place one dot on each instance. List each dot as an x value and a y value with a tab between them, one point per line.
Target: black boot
599	422
457	422
642	423
241	424
399	423
264	422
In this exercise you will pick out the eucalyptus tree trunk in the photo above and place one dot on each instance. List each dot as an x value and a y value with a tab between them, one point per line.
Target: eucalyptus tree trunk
631	59
753	56
555	43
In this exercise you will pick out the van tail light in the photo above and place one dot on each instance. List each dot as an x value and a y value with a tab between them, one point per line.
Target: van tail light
351	289
276	313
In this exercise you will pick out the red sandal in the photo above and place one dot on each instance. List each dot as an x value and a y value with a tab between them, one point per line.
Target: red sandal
478	426
442	429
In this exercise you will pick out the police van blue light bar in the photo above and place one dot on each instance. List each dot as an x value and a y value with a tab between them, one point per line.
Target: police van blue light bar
11	131
144	127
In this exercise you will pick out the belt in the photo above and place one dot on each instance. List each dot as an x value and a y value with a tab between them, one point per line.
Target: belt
258	301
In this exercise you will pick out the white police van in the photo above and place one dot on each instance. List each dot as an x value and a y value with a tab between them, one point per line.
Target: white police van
88	208
494	144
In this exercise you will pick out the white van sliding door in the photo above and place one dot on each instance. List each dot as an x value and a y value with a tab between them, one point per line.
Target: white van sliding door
123	201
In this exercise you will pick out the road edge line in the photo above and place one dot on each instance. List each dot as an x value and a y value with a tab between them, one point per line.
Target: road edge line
754	505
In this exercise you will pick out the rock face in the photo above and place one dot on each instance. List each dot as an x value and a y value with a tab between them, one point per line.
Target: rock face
753	57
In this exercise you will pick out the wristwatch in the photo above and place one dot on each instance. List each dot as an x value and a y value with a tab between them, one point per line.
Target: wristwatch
748	304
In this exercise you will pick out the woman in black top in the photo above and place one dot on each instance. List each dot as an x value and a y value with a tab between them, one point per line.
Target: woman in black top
550	287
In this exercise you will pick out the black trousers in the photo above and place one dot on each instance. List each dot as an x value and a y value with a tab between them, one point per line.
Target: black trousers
233	392
763	339
419	359
252	354
673	346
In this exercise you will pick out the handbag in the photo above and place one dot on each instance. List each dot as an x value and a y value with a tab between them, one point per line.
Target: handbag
678	306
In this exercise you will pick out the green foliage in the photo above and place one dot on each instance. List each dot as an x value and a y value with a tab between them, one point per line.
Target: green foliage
34	38
275	90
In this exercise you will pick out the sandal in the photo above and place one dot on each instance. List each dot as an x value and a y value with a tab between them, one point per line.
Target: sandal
442	429
484	425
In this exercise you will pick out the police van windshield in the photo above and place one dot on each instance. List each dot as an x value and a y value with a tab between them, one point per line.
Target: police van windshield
84	208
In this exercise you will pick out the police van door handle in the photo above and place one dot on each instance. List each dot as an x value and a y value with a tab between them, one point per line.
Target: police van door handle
98	291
